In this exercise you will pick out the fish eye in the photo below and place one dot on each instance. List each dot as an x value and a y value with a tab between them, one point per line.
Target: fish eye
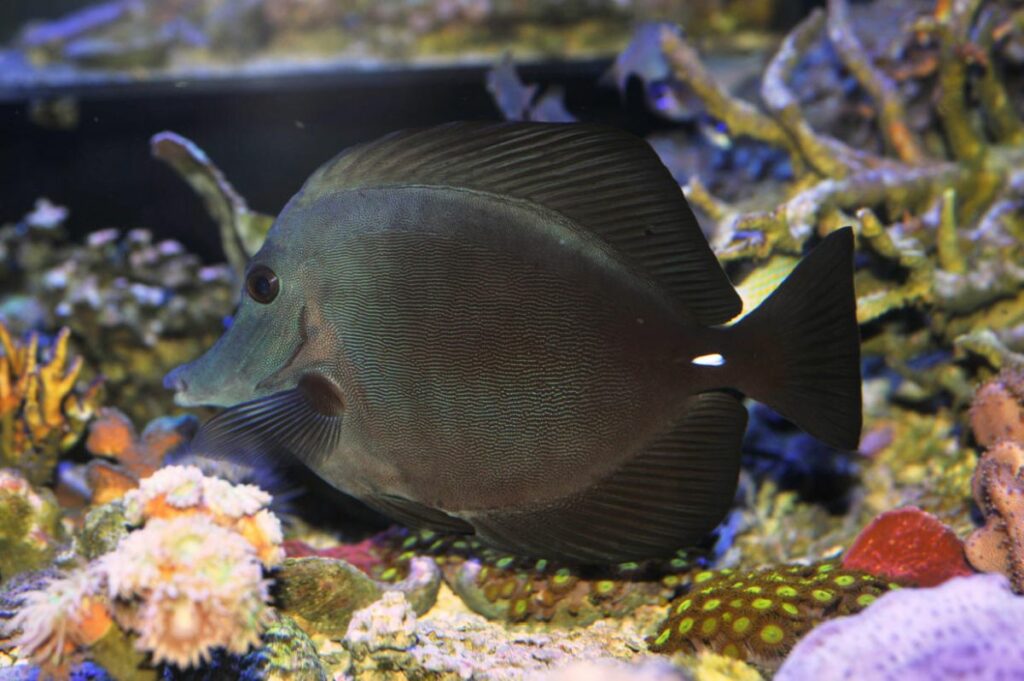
262	285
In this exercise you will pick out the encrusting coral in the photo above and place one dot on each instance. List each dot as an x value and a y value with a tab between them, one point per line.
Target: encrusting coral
187	578
968	628
42	413
759	615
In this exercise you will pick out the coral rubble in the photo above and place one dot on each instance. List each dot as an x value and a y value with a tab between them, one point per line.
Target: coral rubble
967	628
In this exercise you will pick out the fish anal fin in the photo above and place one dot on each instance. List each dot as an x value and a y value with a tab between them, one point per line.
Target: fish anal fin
603	180
414	514
666	498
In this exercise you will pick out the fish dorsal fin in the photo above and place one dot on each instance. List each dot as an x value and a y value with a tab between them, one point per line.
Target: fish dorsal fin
602	179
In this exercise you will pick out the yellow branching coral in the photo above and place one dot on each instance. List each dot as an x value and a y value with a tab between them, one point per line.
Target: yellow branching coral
41	412
188	580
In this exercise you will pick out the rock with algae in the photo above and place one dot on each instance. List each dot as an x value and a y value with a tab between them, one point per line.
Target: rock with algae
42	412
968	628
286	654
29	525
185	579
908	546
759	615
322	593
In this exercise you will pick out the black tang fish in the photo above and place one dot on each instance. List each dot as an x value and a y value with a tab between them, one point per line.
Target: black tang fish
517	331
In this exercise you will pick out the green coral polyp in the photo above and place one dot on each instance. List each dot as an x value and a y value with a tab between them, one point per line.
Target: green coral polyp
734	615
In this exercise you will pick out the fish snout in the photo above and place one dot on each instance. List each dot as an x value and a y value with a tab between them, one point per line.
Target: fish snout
175	380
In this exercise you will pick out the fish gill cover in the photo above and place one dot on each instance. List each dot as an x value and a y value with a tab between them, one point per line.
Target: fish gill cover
901	120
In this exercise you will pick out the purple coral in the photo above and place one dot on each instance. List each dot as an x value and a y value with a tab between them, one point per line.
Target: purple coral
968	628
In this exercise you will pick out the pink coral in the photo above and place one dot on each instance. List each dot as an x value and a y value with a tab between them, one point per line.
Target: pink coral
998	486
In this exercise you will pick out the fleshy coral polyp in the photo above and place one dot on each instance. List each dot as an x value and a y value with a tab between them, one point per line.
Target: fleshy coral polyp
909	546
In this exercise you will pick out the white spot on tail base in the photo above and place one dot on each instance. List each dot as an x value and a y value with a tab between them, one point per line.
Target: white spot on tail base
712	360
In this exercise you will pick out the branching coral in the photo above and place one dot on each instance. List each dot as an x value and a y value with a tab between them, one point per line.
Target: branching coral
937	221
41	411
189	579
136	307
997	415
999	491
241	230
759	615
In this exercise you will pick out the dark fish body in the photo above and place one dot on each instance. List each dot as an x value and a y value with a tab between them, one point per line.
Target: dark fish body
516	331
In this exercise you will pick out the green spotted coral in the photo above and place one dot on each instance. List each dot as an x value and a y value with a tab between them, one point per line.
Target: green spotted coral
509	588
759	615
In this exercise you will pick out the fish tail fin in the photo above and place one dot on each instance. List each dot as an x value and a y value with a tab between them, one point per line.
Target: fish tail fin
806	346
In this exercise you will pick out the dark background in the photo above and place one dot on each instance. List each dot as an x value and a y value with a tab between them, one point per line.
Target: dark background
267	135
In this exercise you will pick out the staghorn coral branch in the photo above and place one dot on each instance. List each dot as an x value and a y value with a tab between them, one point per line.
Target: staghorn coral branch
698	194
892	115
951	28
827	155
1005	124
242	230
742	118
947	246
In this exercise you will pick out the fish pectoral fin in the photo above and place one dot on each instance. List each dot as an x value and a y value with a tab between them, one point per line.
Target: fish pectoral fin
666	498
415	514
304	423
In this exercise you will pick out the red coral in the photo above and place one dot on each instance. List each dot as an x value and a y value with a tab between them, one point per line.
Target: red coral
363	555
908	546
